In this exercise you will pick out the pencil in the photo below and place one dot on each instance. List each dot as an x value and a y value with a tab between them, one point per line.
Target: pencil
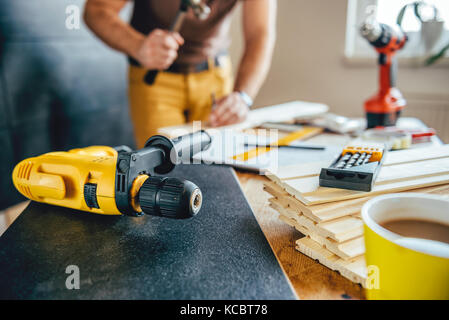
214	101
285	146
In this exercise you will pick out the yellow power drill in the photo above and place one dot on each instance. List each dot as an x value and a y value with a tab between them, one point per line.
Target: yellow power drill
115	181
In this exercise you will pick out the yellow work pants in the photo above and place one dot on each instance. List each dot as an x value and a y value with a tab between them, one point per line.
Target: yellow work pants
175	99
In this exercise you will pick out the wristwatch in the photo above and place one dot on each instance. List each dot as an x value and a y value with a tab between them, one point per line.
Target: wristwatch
246	98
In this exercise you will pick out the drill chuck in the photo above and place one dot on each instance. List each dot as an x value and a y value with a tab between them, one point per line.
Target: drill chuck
382	36
170	197
371	31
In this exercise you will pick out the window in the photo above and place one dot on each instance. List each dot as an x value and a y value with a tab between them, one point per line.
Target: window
386	11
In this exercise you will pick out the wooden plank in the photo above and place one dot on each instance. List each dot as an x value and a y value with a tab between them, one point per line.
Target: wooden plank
310	279
340	230
274	189
346	250
334	210
402	172
392	158
408	176
297	171
415	155
354	270
322	197
318	231
320	212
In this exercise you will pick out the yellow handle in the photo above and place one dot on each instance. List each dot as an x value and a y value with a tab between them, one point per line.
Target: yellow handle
97	151
47	186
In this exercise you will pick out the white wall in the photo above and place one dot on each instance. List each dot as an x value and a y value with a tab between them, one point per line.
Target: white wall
308	64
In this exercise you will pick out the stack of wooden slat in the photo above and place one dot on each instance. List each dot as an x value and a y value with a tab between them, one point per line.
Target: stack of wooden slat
330	218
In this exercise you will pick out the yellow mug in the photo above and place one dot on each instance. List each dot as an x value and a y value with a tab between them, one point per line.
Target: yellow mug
399	267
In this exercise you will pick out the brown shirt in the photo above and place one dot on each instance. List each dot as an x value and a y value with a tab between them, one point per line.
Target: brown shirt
203	39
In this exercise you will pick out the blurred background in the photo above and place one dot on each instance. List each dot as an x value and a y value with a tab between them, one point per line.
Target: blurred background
321	57
62	88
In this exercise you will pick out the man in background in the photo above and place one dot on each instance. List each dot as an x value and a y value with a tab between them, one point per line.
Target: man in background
195	60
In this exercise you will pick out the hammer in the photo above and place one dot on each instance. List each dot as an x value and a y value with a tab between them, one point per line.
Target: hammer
200	10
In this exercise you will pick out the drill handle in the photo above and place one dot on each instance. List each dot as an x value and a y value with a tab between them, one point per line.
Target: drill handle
185	147
179	150
388	71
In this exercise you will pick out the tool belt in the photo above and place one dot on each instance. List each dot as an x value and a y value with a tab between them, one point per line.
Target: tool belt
185	68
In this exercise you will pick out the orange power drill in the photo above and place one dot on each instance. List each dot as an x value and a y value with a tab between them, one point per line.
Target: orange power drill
384	108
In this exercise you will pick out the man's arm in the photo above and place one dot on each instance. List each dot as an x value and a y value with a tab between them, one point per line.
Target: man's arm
158	50
259	29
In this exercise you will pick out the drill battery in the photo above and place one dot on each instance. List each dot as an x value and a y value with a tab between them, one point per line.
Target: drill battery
356	168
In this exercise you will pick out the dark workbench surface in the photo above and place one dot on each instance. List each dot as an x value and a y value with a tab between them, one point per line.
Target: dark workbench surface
220	254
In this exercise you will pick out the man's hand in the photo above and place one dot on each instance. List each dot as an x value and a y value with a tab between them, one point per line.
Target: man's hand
229	110
159	49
